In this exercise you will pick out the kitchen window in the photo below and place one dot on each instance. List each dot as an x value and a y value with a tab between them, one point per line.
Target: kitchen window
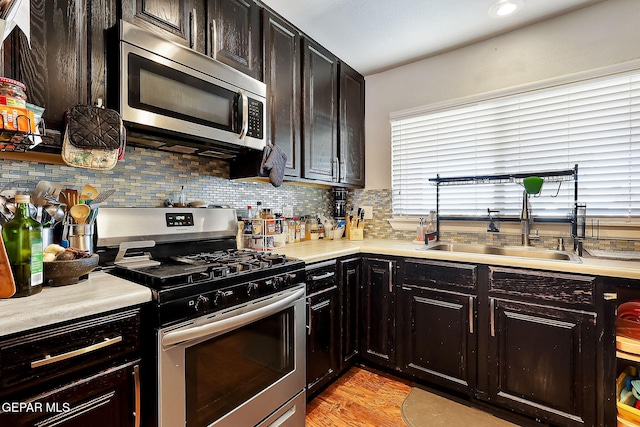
594	123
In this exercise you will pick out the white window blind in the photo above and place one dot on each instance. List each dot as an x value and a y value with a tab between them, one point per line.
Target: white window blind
594	123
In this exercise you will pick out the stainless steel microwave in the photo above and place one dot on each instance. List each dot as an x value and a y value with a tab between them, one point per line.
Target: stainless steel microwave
173	98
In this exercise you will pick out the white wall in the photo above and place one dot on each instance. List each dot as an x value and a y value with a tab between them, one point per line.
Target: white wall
605	34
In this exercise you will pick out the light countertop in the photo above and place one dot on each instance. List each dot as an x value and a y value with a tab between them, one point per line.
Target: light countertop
320	250
100	293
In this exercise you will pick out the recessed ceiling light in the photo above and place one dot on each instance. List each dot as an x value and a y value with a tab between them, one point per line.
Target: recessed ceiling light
504	8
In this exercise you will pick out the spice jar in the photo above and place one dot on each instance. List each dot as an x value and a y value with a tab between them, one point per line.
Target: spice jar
270	222
12	93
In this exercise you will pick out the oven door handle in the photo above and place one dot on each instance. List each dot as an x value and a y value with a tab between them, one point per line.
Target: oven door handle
217	327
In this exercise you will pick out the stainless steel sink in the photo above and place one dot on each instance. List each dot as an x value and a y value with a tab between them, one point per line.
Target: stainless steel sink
515	251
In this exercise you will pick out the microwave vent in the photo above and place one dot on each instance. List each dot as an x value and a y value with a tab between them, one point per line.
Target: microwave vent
180	149
218	154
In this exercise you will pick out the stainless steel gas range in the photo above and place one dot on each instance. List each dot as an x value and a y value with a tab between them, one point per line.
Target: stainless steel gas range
228	325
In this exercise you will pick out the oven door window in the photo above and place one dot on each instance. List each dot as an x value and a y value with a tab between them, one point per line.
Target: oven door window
163	90
224	372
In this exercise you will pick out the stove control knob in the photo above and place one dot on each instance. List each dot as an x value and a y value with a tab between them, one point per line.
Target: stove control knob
281	281
272	283
252	289
202	303
290	278
220	296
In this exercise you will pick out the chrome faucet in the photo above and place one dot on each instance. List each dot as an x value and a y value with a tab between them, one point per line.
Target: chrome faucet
526	221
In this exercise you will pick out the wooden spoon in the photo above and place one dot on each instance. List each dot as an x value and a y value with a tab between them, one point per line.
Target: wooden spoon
89	192
80	213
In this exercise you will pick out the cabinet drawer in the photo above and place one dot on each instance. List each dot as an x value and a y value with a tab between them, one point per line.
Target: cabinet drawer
72	347
542	286
440	275
107	398
321	276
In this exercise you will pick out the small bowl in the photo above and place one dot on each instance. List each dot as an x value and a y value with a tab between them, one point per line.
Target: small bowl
61	273
533	184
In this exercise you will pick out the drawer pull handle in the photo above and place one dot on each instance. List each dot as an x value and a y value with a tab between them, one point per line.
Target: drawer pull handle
323	276
492	320
48	359
136	380
471	315
609	296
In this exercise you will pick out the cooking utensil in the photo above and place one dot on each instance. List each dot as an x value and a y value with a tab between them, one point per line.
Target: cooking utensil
4	209
89	192
80	213
54	190
102	196
55	211
42	189
71	197
38	198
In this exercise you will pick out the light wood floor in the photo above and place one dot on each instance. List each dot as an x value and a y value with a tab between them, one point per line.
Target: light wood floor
360	398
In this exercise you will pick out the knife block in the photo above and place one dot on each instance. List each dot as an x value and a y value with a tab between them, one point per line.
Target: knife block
355	233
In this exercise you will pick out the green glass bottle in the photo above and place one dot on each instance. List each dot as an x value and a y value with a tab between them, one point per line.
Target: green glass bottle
23	239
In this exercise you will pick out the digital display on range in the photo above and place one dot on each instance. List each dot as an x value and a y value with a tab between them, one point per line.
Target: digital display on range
179	219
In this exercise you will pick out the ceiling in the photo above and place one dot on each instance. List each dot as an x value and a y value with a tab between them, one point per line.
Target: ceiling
377	35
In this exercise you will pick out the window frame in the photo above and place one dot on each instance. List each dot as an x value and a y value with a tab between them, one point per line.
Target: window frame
586	76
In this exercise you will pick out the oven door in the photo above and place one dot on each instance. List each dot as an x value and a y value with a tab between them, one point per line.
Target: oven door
236	368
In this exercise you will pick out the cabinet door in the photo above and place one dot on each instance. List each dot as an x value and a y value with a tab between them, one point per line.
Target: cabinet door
110	398
65	64
351	138
320	96
377	333
350	272
235	35
439	340
282	76
181	21
322	342
542	361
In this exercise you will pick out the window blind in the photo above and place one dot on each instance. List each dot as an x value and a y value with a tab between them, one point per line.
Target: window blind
593	123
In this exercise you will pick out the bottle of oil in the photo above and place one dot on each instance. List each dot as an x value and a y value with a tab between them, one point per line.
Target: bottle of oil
23	239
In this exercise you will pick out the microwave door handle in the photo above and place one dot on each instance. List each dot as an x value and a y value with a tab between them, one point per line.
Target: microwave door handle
245	114
225	325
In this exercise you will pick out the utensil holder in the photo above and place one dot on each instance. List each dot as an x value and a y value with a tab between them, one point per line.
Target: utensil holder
80	236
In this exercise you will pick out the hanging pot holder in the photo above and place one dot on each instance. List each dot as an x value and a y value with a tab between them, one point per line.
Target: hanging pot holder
94	138
276	163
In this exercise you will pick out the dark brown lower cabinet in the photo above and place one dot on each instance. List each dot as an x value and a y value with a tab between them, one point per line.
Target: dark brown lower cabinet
323	326
108	399
322	343
542	361
439	340
349	271
377	312
80	373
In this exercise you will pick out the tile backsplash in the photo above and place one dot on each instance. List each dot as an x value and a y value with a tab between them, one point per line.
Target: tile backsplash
379	228
145	178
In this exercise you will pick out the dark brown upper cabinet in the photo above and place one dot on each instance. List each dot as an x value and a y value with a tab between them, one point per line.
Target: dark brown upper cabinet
351	119
282	76
65	64
234	35
181	21
227	30
333	119
320	110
